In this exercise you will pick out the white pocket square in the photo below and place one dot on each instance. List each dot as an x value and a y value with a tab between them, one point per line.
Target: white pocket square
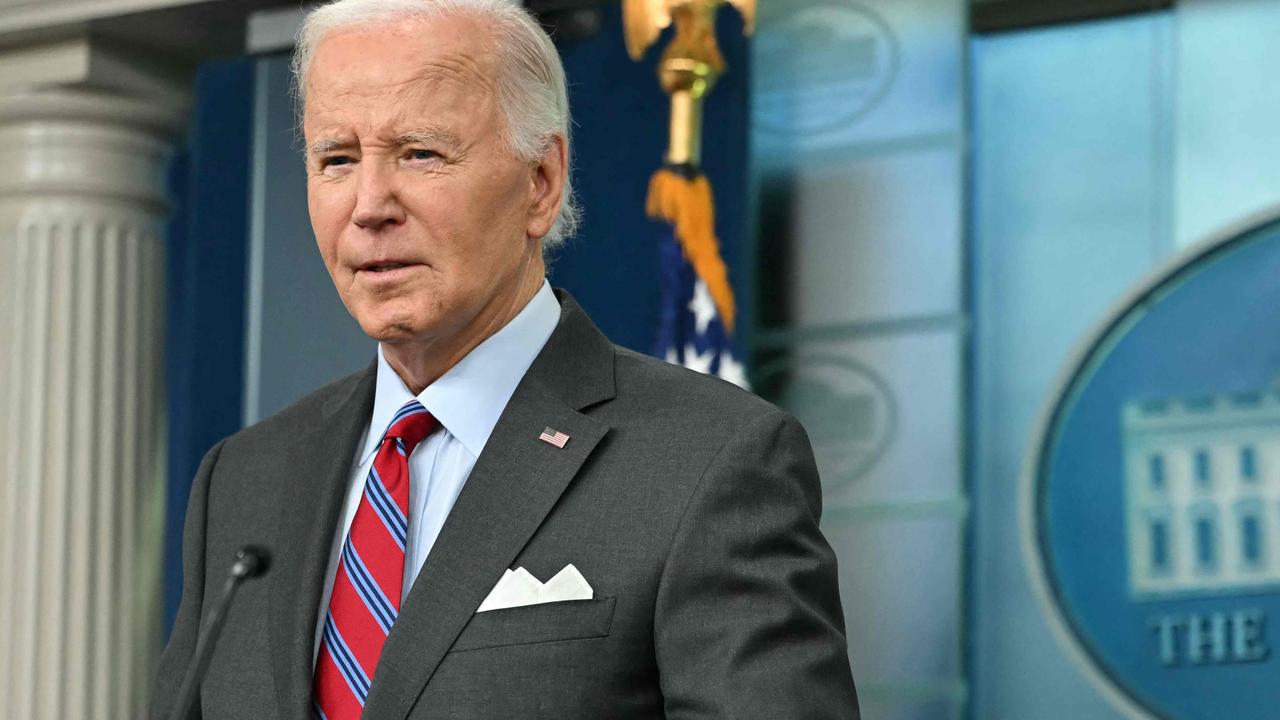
517	587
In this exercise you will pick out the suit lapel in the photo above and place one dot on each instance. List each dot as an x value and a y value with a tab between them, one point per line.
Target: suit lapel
514	485
318	470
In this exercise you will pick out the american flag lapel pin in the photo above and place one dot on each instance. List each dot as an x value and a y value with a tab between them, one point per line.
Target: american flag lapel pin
552	436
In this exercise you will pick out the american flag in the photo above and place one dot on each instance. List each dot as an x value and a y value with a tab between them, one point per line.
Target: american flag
690	330
553	437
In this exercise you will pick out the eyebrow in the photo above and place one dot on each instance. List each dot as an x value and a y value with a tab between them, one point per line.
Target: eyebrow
325	145
426	136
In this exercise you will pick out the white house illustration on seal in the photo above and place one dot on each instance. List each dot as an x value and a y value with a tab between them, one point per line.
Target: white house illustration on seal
1202	494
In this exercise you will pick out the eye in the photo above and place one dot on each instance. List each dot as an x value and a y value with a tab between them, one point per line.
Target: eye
331	163
421	155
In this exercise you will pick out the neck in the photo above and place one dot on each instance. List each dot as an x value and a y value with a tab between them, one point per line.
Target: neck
421	363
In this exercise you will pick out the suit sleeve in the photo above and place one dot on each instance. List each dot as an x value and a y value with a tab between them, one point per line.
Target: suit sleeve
748	620
186	626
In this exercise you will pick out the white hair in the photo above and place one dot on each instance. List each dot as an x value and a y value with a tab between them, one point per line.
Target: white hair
531	84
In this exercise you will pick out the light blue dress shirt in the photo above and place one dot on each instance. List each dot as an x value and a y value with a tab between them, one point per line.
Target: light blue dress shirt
467	401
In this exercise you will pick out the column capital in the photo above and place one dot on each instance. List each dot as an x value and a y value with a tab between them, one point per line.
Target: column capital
87	118
183	32
79	144
85	62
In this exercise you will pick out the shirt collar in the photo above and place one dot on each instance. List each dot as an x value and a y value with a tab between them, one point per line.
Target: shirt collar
468	399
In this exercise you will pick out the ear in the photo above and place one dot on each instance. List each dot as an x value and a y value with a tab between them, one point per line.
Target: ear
547	184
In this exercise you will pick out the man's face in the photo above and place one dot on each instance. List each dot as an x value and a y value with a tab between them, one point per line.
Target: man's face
426	221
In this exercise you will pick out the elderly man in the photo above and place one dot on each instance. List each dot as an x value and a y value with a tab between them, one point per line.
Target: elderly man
505	516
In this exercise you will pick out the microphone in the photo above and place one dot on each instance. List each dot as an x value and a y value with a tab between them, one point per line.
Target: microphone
251	562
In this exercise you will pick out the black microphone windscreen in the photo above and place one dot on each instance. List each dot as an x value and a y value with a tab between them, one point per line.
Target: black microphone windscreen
251	561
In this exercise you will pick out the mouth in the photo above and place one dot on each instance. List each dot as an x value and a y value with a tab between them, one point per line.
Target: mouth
384	266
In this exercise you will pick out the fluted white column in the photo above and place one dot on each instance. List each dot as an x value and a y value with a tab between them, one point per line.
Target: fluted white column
82	206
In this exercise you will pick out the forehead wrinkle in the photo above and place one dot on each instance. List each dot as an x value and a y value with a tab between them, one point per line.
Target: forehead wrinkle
461	78
337	89
470	72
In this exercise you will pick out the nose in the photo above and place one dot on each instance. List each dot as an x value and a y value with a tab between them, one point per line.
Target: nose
377	204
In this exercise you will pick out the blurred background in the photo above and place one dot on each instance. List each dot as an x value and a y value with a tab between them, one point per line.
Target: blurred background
1012	262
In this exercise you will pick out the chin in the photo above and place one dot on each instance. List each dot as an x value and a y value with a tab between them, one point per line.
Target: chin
385	321
389	332
399	327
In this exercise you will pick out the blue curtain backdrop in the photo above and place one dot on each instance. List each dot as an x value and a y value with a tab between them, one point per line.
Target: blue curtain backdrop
204	344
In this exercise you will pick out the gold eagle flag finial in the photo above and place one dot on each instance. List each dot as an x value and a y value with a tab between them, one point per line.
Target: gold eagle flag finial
691	63
679	193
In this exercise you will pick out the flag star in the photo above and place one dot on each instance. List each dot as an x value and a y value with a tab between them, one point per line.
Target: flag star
702	306
700	362
733	371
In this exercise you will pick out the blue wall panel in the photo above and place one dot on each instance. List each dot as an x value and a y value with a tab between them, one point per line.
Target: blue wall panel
298	333
1070	207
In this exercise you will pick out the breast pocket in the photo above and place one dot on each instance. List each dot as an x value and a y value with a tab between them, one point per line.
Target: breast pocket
545	622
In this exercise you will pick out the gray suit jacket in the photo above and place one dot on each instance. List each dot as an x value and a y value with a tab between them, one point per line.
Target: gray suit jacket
690	506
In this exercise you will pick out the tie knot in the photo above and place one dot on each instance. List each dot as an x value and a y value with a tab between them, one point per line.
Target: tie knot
410	425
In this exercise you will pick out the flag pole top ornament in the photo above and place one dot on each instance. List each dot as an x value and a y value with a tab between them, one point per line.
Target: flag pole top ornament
689	66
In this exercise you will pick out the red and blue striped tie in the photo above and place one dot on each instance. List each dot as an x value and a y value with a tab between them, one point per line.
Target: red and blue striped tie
370	577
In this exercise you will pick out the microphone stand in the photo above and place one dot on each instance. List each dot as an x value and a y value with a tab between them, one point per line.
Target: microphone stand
250	562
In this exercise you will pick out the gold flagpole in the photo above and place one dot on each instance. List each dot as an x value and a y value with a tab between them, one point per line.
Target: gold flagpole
679	193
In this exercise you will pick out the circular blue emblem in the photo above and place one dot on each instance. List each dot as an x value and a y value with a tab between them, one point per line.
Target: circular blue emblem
1152	507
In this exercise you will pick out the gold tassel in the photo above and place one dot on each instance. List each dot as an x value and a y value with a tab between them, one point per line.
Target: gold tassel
687	205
